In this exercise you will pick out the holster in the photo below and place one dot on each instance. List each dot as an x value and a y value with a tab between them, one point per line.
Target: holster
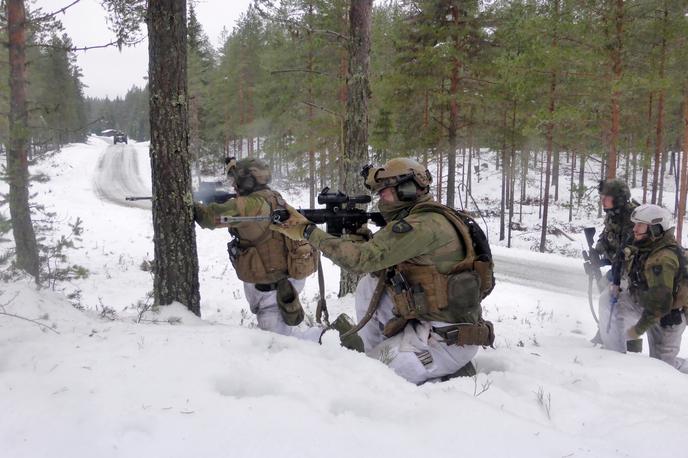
480	333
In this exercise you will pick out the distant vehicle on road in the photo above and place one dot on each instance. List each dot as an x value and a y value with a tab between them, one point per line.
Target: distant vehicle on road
120	137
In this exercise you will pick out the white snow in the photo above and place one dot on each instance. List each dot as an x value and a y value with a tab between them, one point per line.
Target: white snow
174	385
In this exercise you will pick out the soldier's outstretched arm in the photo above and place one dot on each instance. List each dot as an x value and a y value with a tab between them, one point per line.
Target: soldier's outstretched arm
393	244
208	216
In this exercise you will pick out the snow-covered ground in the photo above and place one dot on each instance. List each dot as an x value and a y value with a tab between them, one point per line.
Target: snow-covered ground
100	384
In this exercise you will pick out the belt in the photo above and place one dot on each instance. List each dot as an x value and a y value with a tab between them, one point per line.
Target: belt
480	333
266	287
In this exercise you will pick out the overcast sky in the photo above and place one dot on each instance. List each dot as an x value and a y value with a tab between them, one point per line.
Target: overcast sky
108	72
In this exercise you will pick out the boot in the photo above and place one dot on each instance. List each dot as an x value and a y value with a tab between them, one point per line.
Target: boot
467	370
343	324
634	346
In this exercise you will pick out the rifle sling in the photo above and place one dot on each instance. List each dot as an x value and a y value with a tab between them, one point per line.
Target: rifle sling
321	309
372	307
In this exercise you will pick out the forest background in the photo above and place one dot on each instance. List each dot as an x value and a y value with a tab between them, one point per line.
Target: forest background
551	85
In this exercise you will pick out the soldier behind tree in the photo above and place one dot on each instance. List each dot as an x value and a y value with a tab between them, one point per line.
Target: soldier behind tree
272	267
428	324
656	298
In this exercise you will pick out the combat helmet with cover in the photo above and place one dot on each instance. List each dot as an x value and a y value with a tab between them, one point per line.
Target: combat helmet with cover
405	175
617	189
249	175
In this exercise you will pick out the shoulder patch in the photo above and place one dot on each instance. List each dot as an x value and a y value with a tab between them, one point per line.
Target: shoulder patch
401	227
657	270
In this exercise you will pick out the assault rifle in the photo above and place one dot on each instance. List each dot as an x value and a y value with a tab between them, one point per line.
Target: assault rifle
592	263
592	266
207	193
340	214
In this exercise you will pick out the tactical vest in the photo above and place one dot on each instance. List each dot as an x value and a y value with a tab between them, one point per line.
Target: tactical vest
454	297
260	255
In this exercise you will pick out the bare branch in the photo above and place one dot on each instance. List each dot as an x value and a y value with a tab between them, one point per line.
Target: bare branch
30	320
297	70
54	13
327	110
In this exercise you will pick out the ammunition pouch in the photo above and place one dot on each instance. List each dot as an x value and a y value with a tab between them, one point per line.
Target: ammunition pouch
480	333
288	302
417	291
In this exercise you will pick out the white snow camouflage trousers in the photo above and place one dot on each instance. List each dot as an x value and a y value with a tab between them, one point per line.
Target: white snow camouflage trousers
615	320
264	305
416	354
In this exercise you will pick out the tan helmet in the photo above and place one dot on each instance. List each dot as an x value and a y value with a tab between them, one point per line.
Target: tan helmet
249	174
396	172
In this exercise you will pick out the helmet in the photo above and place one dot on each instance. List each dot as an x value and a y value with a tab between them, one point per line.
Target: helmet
618	189
248	174
658	219
396	172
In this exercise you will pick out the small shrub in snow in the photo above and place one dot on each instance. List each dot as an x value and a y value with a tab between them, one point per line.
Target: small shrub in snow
545	401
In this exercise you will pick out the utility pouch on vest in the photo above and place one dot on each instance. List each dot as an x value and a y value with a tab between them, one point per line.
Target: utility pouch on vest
485	270
302	259
463	291
417	290
480	333
288	303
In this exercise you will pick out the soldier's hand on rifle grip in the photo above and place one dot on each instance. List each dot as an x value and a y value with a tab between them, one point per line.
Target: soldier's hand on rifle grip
294	226
614	291
362	234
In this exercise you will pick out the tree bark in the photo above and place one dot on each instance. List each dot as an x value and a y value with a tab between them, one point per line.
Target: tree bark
17	159
683	190
176	261
657	190
356	123
617	72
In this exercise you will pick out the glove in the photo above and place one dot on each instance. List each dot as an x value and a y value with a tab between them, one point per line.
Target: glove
294	226
362	234
631	334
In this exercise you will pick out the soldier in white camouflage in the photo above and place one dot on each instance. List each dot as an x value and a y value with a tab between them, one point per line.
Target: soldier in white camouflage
615	198
656	298
273	268
424	275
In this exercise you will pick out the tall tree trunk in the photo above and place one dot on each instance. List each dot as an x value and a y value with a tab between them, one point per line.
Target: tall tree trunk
646	152
549	137
453	109
616	72
683	190
657	190
504	196
356	140
176	261
311	116
17	160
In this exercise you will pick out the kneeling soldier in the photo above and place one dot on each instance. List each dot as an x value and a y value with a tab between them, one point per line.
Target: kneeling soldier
656	295
272	267
427	275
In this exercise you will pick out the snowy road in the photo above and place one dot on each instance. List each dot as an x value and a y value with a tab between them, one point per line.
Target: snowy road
548	272
118	175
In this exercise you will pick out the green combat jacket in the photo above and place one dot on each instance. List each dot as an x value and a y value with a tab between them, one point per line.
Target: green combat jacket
652	268
424	238
251	205
618	228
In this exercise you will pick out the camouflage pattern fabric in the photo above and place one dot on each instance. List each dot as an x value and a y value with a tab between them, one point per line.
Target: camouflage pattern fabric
617	229
652	268
251	205
425	238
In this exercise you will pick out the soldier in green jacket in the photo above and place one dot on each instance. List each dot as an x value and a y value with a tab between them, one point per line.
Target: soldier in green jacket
421	275
273	268
653	302
615	198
